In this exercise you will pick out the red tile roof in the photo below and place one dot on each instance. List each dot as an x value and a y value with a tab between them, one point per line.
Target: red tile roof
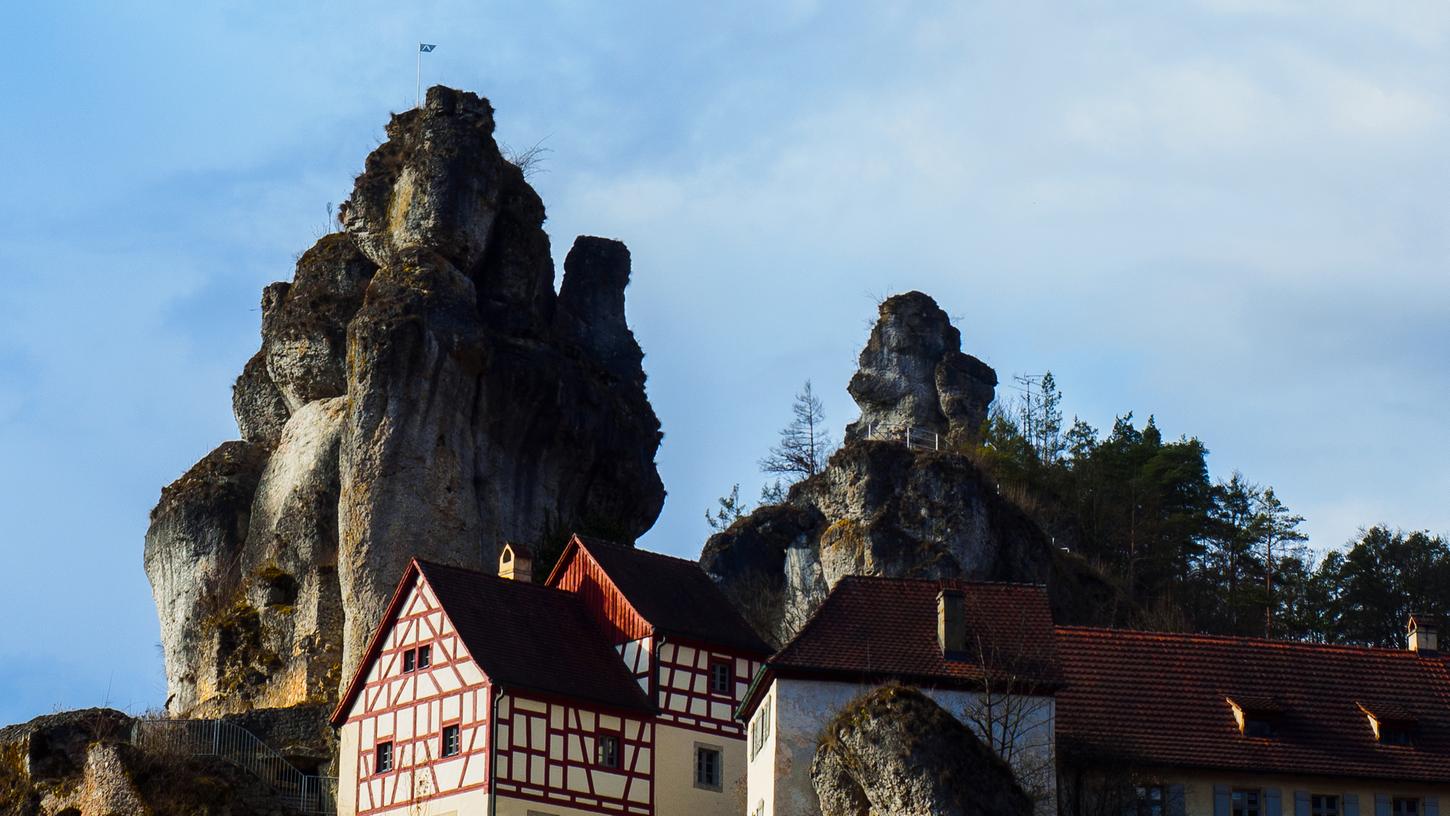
675	596
1161	700
873	629
522	635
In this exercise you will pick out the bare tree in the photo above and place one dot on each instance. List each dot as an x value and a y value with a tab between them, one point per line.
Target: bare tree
805	443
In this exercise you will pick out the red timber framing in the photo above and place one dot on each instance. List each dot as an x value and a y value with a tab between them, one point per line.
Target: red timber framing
409	709
686	698
547	752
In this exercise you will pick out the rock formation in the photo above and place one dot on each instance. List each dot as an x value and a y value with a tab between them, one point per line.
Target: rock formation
886	504
895	751
85	763
420	390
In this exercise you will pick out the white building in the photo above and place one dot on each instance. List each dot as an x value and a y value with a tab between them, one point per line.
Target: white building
984	652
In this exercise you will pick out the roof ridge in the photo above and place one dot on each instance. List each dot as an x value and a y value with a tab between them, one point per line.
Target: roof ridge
426	565
590	540
972	581
1246	639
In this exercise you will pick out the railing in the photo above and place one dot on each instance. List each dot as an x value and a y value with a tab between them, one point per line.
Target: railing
909	436
228	741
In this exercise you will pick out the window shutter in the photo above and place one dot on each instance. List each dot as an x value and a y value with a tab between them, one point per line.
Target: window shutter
1381	804
1273	802
1351	804
1221	800
1432	806
1176	806
1301	803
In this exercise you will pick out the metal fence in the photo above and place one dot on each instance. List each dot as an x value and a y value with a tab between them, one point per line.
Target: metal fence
908	436
228	741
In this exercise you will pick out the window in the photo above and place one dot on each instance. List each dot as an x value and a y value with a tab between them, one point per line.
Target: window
451	741
425	656
385	757
607	751
1246	803
708	772
760	728
722	678
410	660
1258	727
1406	807
1391	734
1150	801
1323	805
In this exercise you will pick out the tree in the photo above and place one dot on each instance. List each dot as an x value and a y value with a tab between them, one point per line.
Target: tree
1278	527
730	510
804	444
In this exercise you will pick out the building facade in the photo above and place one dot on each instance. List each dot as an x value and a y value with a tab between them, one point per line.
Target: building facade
608	689
984	652
1164	724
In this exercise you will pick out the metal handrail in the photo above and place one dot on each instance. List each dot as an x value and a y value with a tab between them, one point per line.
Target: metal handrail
307	793
911	436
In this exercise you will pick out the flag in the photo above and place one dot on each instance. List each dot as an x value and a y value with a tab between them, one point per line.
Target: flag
426	47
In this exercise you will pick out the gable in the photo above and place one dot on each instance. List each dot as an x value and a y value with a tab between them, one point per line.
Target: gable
415	617
580	573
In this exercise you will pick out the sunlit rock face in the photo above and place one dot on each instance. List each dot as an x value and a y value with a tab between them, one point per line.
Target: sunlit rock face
421	390
887	504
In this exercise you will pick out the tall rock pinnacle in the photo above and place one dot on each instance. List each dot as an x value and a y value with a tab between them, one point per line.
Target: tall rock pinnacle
882	506
420	390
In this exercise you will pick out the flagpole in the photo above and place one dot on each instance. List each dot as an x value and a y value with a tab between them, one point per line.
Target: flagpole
418	94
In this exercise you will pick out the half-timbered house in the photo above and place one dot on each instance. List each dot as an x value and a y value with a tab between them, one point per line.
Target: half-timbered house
603	690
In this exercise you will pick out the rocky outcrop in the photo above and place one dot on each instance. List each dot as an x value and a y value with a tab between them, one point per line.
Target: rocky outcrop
913	377
420	390
895	751
887	505
89	763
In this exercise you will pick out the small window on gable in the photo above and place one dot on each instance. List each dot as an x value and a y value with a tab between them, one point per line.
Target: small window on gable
410	660
1257	718
607	751
1391	724
451	741
425	656
722	678
385	757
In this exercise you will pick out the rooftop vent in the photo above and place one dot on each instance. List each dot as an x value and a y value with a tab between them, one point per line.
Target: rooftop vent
1424	633
951	622
516	563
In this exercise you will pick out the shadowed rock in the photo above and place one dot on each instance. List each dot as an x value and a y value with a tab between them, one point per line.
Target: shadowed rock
894	751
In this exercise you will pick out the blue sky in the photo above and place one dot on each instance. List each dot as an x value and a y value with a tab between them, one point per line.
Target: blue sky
1228	214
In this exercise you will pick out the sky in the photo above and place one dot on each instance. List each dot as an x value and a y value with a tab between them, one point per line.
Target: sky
1230	215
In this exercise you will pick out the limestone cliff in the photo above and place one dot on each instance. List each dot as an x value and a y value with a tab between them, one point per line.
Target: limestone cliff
899	498
420	390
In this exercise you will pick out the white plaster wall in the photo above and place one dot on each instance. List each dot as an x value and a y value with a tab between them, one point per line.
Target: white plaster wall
675	791
781	773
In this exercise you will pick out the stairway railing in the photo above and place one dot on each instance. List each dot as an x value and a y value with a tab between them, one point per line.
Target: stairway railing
308	793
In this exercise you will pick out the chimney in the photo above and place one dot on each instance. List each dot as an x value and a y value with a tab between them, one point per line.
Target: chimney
1424	633
516	563
951	622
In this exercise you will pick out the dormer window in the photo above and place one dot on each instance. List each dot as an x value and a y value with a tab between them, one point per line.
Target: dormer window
1391	724
1257	718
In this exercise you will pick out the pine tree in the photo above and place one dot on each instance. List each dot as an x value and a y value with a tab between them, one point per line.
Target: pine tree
804	444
